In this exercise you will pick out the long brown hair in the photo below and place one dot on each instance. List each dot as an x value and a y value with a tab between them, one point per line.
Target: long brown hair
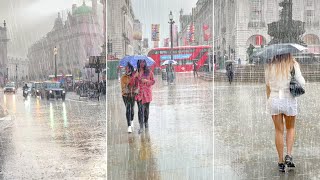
283	64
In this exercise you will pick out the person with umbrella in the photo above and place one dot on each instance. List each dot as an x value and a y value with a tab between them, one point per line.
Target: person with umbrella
169	70
195	69
230	71
128	86
281	104
145	81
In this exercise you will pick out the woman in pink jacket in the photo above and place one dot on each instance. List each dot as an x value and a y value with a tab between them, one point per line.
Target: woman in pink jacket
145	80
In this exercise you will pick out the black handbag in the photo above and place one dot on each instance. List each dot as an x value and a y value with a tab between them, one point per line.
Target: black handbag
295	87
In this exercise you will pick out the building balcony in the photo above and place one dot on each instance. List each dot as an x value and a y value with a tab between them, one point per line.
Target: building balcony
259	24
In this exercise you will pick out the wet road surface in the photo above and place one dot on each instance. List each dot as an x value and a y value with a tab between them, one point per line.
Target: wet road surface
179	142
43	139
244	134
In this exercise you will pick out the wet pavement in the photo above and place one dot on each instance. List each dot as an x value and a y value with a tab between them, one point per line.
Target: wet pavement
43	139
244	145
179	142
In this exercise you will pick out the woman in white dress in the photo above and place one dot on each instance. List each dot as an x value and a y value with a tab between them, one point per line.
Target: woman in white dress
282	105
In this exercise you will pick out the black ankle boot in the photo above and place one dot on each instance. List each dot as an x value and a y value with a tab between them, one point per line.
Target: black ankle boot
141	128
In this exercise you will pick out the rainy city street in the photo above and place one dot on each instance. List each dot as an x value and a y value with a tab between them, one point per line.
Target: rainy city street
52	139
178	144
244	146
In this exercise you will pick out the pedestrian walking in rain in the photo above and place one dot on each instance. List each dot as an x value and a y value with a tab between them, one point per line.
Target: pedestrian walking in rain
170	71
282	105
128	86
230	72
195	69
145	81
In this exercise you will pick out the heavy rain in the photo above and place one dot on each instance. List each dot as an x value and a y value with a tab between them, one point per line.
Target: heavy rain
52	89
265	127
160	67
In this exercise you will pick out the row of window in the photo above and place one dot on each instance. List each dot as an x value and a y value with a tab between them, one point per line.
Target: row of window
184	62
175	51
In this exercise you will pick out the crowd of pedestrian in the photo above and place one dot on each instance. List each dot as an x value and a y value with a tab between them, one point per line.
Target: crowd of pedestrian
85	86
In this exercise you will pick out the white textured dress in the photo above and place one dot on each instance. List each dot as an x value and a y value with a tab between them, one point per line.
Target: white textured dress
281	101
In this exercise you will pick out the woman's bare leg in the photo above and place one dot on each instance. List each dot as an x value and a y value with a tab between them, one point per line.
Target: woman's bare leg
279	127
290	121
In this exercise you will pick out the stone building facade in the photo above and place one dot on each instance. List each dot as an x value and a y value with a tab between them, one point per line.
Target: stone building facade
3	53
18	69
201	16
241	23
120	18
76	39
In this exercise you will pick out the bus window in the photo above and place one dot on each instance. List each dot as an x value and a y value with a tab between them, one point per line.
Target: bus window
163	52
154	52
189	62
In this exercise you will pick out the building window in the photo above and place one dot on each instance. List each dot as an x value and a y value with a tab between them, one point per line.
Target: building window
309	2
309	17
256	11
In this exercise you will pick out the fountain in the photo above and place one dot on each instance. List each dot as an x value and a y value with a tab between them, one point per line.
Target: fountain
286	30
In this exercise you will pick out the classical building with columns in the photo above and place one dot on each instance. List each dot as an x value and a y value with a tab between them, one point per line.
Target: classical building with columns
241	23
3	53
18	69
76	39
120	27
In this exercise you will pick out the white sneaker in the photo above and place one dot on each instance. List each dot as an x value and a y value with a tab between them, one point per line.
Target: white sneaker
132	124
129	129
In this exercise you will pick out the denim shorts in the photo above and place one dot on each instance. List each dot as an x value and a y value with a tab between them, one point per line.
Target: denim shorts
287	106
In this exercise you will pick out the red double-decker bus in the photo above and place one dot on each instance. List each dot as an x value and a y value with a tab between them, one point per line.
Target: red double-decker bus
184	55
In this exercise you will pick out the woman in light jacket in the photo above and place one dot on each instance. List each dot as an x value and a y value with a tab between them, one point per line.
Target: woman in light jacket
282	105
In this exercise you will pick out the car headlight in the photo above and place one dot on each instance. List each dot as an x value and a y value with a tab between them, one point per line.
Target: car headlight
50	91
37	90
63	92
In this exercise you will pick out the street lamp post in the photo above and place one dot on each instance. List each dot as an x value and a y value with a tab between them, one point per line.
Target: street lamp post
7	80
16	73
171	22
98	68
55	50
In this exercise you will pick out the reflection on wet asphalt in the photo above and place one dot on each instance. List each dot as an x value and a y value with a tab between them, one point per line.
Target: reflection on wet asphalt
52	139
244	134
179	142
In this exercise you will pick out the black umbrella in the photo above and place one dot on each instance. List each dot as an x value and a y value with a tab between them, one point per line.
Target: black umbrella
269	52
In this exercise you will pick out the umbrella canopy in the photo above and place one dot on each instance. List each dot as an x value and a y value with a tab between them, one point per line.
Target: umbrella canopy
133	60
229	61
169	62
277	49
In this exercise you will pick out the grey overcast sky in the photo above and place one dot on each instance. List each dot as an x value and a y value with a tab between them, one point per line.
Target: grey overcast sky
157	12
29	20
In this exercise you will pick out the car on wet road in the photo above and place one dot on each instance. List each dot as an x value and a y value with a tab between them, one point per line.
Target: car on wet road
10	88
52	89
36	89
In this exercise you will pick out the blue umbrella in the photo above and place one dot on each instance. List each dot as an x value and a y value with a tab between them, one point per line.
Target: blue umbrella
269	52
133	60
